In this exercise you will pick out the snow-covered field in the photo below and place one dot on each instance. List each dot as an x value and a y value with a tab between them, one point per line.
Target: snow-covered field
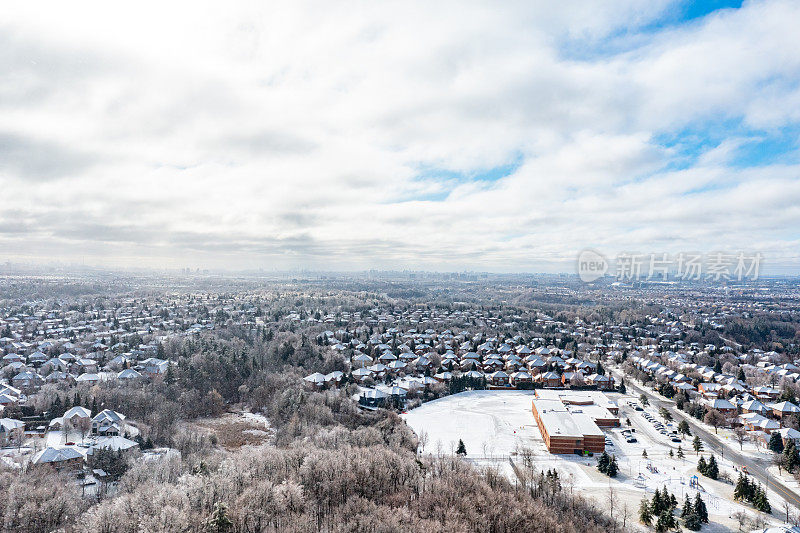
495	425
491	423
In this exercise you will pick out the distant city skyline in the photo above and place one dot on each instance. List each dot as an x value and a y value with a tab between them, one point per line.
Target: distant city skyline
443	136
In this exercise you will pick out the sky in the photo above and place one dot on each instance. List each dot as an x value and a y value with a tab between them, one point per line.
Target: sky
488	136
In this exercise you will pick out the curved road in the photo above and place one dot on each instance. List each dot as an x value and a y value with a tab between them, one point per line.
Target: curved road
755	467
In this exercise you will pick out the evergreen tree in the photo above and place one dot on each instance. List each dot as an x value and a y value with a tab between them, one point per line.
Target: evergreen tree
644	454
680	452
658	503
645	514
740	491
775	442
622	389
687	507
612	467
790	456
713	469
692	522
169	377
700	509
55	407
741	377
697	444
219	522
760	500
603	462
461	450
666	522
702	467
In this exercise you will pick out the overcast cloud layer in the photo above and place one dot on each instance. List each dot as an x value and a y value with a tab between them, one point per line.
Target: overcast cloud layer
424	135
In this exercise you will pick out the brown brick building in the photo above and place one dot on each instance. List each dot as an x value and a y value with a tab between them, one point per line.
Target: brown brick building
565	432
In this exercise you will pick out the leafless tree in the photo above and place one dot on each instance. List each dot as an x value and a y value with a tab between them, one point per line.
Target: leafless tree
66	425
625	513
714	418
740	435
83	425
741	518
423	439
611	498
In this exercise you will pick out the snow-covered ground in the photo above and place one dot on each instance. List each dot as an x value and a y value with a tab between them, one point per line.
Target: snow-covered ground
496	425
491	423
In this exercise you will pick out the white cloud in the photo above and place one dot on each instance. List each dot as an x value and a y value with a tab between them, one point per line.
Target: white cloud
247	134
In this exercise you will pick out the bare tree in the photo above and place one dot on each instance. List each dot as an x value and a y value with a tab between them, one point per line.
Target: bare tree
423	439
625	513
714	418
740	435
741	518
66	425
83	425
611	497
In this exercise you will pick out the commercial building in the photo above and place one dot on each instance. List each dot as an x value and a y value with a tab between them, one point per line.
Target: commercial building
564	431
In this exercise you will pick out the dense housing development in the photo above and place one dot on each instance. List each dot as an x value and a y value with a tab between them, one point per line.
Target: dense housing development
100	384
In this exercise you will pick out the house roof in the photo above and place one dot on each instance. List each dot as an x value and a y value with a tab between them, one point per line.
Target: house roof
55	455
78	411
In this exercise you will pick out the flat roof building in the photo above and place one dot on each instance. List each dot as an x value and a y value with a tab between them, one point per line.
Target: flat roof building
566	432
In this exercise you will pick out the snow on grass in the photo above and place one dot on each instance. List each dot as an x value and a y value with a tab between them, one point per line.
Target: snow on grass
495	425
491	423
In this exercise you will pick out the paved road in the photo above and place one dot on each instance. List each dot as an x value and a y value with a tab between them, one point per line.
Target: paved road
756	468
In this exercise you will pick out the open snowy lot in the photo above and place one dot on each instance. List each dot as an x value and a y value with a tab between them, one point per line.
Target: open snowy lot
496	425
491	423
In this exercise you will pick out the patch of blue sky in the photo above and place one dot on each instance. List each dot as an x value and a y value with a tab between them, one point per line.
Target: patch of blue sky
690	10
449	179
624	39
708	187
757	147
491	174
781	147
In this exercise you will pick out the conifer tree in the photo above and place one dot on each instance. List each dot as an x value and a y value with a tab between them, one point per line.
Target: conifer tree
790	456
697	444
603	462
645	513
700	509
775	442
656	505
462	449
612	467
666	522
760	500
692	522
740	492
687	507
712	469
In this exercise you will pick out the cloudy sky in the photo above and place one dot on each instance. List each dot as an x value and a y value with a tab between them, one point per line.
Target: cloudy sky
501	136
